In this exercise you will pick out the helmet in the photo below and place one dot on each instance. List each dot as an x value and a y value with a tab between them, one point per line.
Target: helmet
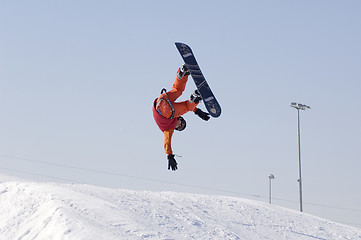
182	125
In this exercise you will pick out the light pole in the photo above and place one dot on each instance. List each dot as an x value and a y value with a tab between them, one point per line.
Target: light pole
271	176
299	107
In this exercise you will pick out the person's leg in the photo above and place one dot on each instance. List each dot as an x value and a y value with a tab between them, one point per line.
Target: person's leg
181	108
178	87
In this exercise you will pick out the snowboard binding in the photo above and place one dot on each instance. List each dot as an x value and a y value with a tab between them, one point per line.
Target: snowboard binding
195	97
183	71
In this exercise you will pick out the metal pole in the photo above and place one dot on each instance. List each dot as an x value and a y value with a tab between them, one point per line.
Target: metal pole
271	176
269	191
299	106
299	159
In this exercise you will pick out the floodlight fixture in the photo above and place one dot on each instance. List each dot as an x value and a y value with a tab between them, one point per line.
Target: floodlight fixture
300	106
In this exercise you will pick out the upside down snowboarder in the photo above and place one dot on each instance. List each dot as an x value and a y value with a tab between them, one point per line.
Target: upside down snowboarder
168	114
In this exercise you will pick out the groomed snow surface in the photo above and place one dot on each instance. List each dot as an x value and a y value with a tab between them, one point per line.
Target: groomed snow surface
73	211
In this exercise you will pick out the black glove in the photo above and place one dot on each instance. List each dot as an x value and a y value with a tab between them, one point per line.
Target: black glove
172	163
201	114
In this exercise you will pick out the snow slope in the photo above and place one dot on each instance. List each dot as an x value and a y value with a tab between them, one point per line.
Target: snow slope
66	211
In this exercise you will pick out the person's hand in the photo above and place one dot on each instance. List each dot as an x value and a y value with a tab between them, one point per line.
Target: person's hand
172	163
201	114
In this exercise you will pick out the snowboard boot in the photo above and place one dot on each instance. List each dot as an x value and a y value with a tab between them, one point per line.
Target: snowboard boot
183	71
195	97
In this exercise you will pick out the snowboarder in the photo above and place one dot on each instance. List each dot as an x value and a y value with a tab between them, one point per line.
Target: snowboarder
168	114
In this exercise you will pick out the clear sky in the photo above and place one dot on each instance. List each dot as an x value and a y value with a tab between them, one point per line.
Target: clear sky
78	79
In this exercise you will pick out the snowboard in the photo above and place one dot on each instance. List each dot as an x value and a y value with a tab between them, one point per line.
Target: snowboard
210	101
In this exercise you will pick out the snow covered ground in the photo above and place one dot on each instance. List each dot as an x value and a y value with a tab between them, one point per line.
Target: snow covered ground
31	210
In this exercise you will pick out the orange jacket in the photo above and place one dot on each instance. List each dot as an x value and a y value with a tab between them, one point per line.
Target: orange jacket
168	141
163	111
